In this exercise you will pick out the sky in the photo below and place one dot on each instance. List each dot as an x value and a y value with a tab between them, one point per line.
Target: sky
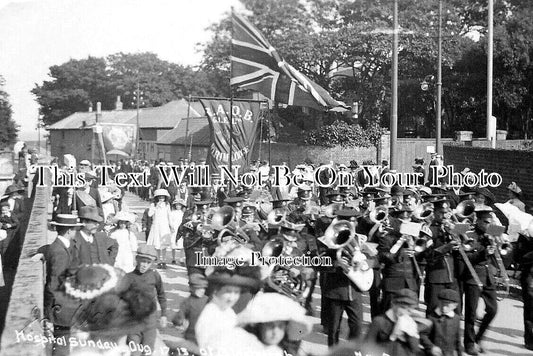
35	35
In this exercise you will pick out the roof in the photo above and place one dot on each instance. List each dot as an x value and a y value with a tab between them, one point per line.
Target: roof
199	130
162	117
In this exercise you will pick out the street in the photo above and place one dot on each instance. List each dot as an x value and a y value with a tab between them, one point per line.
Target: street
504	337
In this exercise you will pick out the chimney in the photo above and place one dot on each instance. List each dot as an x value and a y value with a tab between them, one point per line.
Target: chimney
91	107
118	104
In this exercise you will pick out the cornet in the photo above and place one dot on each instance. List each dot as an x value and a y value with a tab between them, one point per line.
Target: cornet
276	216
465	210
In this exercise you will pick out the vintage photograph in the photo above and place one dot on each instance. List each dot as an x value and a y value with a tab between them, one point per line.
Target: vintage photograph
266	177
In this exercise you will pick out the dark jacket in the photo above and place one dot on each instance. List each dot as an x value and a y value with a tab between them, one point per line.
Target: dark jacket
58	307
399	271
445	333
106	249
484	265
379	332
439	258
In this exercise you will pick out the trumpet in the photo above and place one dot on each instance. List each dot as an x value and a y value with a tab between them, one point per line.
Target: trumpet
502	279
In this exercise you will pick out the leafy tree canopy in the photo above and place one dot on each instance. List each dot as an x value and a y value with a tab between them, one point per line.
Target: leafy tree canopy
8	127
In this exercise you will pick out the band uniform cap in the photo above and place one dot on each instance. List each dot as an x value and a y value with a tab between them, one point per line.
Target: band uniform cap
513	187
147	251
269	307
432	198
304	193
197	280
248	210
406	297
66	220
90	213
398	190
234	201
485	192
161	192
442	204
347	213
334	193
481	208
449	295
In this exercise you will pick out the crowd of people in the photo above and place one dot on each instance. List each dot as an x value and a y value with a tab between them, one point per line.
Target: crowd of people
391	243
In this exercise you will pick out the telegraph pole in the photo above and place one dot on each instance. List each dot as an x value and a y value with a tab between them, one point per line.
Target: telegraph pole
394	84
438	123
490	43
138	98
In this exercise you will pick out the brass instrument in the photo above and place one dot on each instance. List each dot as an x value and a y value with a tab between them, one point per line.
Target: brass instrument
331	210
276	216
449	228
423	212
286	280
341	236
378	215
465	211
502	279
410	242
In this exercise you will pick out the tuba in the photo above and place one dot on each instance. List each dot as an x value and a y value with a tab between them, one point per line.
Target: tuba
286	280
340	235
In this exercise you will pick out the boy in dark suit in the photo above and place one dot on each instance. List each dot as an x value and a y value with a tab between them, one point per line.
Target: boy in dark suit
60	255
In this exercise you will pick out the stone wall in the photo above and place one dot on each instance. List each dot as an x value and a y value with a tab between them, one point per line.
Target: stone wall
28	286
512	165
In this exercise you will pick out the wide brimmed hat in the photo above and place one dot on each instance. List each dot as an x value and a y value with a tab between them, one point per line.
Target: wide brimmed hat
66	220
90	213
124	216
224	276
269	307
179	201
91	281
513	187
106	196
161	192
13	188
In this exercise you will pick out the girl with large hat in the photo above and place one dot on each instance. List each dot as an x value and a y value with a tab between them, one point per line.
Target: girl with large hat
160	232
126	239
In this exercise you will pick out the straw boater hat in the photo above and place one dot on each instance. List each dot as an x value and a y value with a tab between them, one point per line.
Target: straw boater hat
66	220
269	307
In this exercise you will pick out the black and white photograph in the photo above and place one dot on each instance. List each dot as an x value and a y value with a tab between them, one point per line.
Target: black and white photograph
266	177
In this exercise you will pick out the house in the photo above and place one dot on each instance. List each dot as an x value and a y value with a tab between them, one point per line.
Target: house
191	139
74	133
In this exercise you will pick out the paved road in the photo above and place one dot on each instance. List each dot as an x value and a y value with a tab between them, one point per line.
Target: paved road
505	336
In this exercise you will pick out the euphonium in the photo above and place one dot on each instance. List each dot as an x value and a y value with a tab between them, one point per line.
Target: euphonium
338	234
465	210
281	278
235	234
222	217
423	212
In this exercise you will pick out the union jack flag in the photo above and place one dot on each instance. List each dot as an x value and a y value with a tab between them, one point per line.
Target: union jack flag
257	66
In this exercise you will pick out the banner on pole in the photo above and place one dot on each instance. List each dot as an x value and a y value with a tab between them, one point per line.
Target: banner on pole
119	139
245	121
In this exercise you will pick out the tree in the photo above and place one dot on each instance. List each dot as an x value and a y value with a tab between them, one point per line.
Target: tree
76	84
8	127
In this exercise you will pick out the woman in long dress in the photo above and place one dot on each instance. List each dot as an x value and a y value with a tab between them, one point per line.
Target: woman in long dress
160	233
127	241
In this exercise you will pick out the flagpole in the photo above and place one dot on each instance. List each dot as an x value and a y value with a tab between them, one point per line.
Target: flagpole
187	125
231	102
394	89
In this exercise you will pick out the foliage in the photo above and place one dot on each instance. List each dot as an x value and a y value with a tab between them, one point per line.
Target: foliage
340	133
8	127
76	84
318	35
